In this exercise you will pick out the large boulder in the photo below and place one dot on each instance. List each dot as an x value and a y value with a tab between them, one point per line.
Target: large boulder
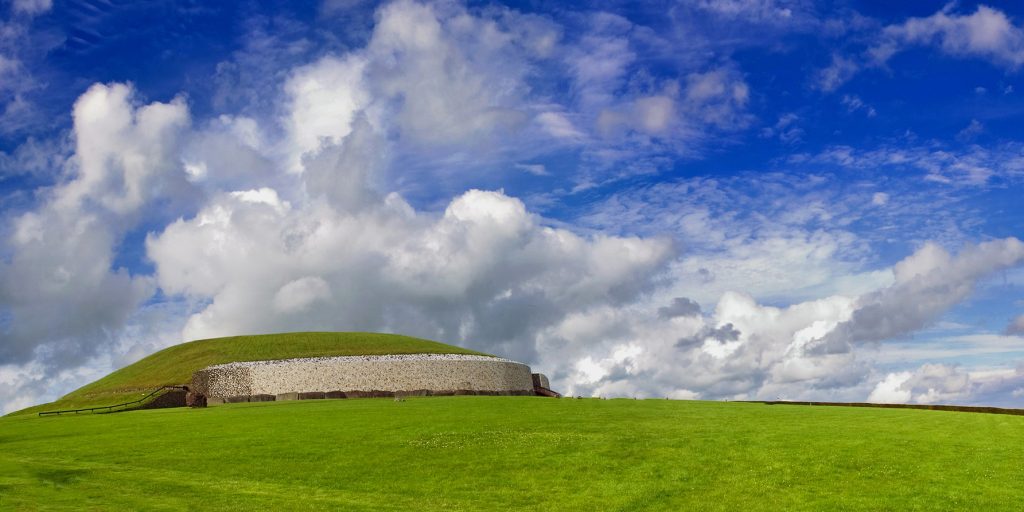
195	399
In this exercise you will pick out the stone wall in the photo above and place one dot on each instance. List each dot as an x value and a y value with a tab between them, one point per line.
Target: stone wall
390	373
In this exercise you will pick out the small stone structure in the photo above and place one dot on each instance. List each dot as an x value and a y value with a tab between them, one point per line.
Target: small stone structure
366	376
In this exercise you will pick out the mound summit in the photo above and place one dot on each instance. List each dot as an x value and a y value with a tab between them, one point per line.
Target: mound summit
315	364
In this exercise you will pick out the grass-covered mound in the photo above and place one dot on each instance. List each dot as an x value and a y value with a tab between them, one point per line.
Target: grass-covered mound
175	365
513	453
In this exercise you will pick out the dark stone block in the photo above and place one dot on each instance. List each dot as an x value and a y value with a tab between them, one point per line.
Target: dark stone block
262	398
546	392
194	399
236	399
373	393
312	395
414	392
336	394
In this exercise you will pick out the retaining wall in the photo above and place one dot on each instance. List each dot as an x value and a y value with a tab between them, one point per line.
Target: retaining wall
390	373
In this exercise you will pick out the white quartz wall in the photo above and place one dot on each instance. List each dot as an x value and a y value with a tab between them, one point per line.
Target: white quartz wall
435	372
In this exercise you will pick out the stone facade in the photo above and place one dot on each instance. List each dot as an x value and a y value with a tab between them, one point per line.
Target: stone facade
390	374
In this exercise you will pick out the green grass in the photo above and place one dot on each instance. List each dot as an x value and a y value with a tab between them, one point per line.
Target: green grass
513	453
175	365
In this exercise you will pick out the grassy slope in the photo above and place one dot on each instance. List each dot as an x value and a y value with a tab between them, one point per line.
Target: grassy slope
513	453
175	365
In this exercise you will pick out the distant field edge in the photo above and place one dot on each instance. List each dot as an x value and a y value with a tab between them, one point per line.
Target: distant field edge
954	408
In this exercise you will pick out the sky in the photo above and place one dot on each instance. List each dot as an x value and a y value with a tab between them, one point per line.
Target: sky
702	199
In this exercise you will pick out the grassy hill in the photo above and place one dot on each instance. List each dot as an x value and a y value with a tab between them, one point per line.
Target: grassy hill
513	453
175	365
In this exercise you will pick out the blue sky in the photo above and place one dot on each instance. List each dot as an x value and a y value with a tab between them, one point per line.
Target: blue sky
717	199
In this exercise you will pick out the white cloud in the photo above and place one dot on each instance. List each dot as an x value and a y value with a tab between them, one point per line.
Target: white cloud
837	73
60	290
927	284
32	7
299	294
325	98
942	383
718	97
124	156
987	33
534	169
891	389
558	125
761	10
971	131
975	166
36	157
745	350
436	86
483	273
853	103
458	77
785	128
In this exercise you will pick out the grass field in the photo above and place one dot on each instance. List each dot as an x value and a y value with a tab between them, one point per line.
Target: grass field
175	365
513	453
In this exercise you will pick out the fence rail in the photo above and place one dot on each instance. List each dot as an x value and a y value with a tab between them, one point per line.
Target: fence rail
116	407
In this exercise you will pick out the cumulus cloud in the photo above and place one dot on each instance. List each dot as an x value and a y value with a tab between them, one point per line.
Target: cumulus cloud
435	86
748	350
325	98
942	383
927	283
743	350
60	292
484	273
